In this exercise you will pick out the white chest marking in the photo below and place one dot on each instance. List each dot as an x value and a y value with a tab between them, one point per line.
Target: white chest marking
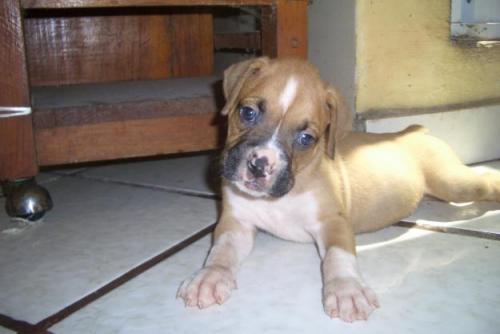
292	217
288	94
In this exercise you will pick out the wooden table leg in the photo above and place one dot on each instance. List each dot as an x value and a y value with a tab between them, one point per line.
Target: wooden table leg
284	29
18	164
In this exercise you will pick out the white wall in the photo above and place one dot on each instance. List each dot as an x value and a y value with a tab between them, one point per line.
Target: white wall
473	133
332	41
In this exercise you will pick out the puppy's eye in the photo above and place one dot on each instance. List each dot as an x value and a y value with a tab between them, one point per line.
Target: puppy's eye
304	140
248	114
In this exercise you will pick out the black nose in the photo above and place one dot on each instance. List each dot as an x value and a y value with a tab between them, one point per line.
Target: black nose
258	166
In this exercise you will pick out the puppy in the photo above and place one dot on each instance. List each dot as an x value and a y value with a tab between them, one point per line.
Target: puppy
291	167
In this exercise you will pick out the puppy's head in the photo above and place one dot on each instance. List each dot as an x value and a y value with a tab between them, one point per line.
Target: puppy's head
282	117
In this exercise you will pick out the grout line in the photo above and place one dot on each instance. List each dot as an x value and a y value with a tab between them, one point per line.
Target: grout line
174	190
53	178
124	278
13	324
19	326
451	230
76	171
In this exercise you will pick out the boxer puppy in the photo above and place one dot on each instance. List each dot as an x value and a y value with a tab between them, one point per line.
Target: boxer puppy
291	167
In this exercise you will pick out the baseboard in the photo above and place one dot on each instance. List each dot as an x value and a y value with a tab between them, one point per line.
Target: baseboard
474	133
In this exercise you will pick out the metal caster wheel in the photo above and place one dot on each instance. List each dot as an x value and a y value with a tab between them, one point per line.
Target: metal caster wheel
26	199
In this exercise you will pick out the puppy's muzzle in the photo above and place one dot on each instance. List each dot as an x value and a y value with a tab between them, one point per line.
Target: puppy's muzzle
258	166
259	170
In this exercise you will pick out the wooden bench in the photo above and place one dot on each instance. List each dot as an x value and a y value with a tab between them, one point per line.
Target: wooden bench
145	87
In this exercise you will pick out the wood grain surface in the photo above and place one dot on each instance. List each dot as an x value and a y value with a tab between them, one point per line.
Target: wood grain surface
284	28
125	139
17	151
291	17
127	119
121	3
13	77
103	43
118	45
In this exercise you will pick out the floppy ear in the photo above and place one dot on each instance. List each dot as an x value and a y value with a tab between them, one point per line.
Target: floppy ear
236	76
340	119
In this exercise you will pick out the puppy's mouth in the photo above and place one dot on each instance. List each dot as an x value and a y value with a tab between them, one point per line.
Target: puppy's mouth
249	181
255	171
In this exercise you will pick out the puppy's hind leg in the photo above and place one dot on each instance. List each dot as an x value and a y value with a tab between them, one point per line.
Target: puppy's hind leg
462	184
448	179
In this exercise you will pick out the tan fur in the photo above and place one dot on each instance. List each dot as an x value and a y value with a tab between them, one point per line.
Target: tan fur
373	181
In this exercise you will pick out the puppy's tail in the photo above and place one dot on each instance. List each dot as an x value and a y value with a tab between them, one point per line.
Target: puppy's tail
415	128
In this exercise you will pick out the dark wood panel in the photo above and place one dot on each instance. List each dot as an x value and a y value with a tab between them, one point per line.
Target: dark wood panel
81	49
17	151
66	50
120	3
193	45
133	138
268	31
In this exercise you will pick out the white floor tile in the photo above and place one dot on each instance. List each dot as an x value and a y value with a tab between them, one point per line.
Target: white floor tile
426	282
480	216
95	232
196	173
5	331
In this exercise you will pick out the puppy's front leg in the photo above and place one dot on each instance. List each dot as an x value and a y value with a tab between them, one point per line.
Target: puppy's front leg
345	294
215	281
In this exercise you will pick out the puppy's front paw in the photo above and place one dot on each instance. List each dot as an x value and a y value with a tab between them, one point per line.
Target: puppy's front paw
212	284
348	299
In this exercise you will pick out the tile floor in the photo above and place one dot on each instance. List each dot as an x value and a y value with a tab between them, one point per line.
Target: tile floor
110	256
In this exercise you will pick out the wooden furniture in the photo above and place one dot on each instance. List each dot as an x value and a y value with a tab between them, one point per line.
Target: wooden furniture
86	80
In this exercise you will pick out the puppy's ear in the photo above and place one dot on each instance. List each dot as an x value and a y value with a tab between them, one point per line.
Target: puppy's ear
236	76
340	119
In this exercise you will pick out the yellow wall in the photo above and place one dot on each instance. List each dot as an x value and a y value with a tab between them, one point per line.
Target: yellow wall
405	59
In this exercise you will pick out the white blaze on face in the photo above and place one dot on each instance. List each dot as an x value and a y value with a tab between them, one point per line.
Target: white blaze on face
286	98
288	94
